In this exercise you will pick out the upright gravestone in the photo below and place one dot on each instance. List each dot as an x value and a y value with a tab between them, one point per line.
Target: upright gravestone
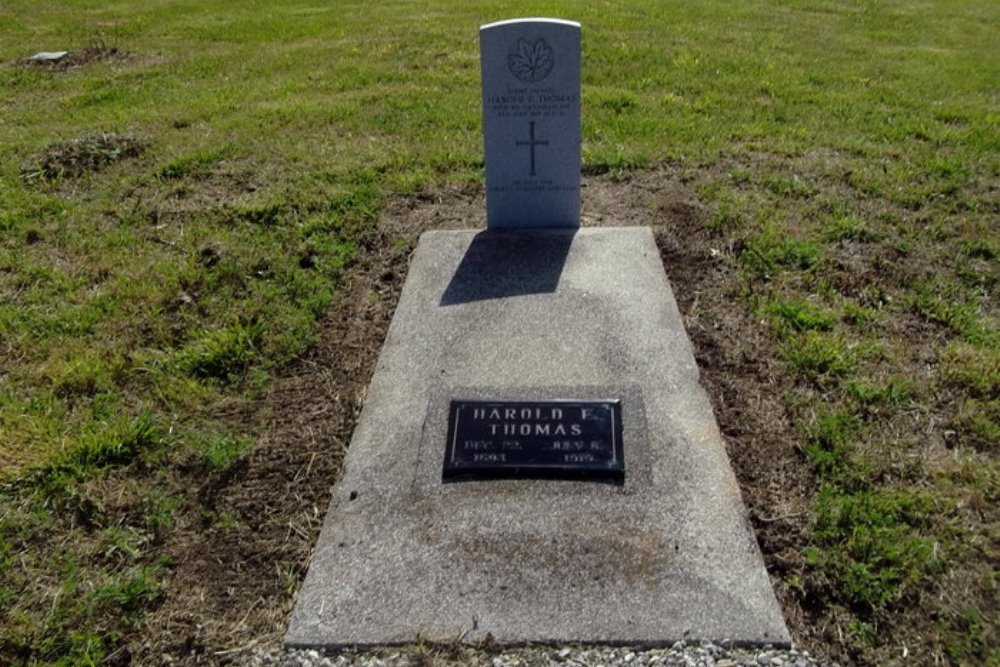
535	460
531	122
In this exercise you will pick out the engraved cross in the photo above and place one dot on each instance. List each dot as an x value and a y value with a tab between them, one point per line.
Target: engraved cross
531	143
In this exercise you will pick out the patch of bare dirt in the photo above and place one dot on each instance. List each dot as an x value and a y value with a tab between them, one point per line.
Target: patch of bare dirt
230	183
81	57
90	152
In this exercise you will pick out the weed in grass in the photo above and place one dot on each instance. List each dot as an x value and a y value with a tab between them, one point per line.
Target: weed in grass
875	297
117	443
772	250
119	544
948	304
77	372
267	214
823	357
966	638
50	636
788	186
158	513
981	249
977	424
65	320
410	182
21	206
198	163
76	505
974	369
798	254
741	176
726	214
849	228
102	45
131	595
355	207
979	277
872	546
830	446
618	102
863	632
858	315
797	315
221	451
67	631
223	354
108	438
978	483
226	523
616	162
895	391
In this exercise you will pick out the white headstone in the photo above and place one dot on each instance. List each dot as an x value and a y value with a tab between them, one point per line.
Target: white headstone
531	122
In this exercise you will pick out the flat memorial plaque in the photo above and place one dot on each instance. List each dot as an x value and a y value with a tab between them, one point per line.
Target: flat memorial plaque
560	439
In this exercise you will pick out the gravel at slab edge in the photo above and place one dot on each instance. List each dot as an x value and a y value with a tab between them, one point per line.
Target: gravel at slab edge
679	655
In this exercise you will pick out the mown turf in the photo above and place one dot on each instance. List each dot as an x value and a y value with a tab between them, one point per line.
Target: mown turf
182	201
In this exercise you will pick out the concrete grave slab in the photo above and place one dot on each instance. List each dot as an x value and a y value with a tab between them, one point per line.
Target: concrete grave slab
546	314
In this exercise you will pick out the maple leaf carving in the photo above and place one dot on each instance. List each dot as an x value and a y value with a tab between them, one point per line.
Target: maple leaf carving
530	62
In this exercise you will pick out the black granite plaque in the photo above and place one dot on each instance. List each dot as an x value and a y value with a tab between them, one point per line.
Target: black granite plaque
559	439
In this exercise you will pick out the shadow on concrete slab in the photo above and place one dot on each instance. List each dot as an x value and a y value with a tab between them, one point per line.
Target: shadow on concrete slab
501	264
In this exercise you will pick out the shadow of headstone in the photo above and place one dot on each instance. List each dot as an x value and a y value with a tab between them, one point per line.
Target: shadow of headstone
501	264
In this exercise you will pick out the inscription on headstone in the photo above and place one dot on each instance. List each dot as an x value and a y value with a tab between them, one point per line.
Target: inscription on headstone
531	122
557	439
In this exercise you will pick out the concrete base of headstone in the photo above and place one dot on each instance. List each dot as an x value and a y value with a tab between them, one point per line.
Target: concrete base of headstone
579	314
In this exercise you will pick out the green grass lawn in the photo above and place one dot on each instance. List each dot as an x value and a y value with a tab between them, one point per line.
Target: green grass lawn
178	213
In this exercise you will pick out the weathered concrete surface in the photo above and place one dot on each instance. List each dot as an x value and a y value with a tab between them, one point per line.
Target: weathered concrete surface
541	314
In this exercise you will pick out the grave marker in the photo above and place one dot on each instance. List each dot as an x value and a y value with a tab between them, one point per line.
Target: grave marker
557	439
520	368
531	122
